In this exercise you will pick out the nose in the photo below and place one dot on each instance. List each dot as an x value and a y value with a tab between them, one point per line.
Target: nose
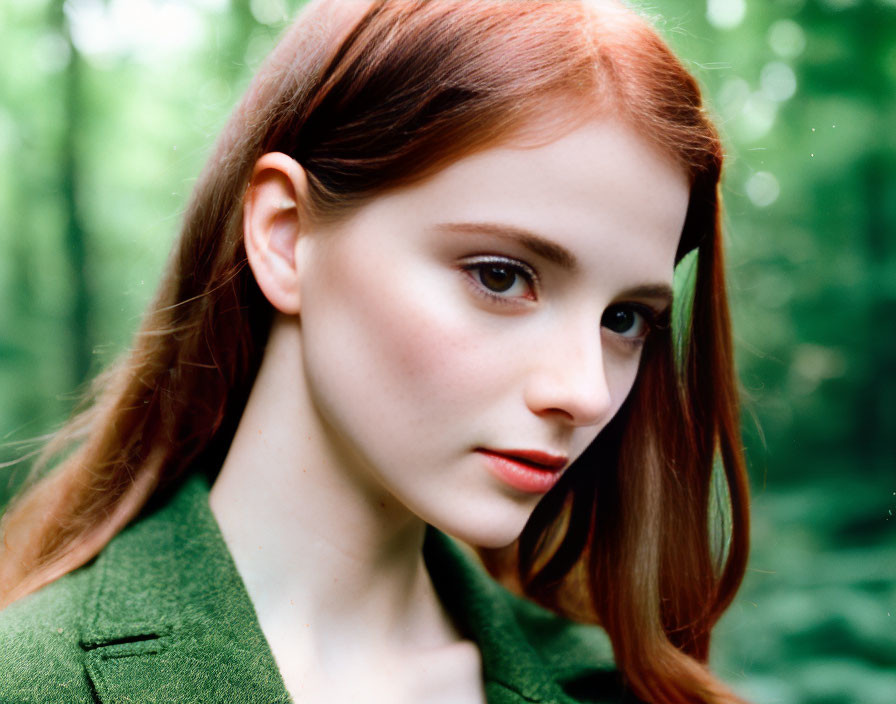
569	380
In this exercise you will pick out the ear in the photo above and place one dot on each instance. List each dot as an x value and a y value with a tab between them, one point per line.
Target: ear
273	221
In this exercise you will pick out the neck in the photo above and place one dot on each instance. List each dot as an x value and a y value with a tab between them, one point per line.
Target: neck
331	562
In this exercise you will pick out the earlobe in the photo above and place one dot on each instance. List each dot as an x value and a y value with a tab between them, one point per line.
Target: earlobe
273	222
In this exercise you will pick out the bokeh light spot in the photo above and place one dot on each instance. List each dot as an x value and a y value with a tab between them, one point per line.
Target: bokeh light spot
142	28
51	52
733	95
778	81
725	14
269	11
763	189
787	39
758	116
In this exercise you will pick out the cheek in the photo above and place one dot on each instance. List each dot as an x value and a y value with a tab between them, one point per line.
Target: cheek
626	374
400	341
621	376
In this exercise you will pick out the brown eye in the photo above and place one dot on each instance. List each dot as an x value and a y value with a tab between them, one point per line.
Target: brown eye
502	279
497	278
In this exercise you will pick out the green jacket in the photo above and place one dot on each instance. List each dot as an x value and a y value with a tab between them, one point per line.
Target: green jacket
163	616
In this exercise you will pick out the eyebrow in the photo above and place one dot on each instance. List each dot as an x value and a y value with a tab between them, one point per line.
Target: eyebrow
536	244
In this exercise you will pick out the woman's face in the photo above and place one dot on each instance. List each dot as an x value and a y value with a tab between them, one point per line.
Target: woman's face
466	338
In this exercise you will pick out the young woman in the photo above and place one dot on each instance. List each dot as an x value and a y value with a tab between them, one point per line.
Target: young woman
423	287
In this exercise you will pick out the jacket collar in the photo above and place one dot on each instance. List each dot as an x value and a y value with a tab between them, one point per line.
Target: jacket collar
169	618
528	653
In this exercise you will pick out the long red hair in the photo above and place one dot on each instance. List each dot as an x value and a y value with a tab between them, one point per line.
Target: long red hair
368	96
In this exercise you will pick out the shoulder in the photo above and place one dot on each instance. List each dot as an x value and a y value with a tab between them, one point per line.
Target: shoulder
578	656
562	643
41	655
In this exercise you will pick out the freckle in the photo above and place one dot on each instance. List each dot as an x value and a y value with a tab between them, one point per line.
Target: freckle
382	504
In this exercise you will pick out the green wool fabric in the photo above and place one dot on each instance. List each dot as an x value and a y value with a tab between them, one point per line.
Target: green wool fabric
162	616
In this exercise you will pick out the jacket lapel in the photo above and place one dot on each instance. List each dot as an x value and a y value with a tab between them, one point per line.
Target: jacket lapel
168	616
513	670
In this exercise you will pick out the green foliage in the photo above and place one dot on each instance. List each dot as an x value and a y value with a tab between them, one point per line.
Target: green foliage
100	143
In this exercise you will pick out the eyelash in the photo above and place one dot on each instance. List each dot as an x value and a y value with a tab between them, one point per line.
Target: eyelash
653	319
515	266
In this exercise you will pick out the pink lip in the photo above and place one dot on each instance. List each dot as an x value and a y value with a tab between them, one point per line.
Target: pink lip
531	471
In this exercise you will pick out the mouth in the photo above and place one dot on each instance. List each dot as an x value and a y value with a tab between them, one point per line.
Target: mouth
529	471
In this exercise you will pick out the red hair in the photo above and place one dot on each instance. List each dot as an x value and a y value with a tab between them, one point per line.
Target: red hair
368	96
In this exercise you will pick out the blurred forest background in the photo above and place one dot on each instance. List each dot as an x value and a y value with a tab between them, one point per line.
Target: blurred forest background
109	107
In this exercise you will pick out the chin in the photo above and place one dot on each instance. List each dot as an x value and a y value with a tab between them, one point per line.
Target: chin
486	531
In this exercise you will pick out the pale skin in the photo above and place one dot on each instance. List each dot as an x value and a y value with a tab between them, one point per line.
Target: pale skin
393	361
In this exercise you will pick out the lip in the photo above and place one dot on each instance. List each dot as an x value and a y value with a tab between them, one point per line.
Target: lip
529	471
